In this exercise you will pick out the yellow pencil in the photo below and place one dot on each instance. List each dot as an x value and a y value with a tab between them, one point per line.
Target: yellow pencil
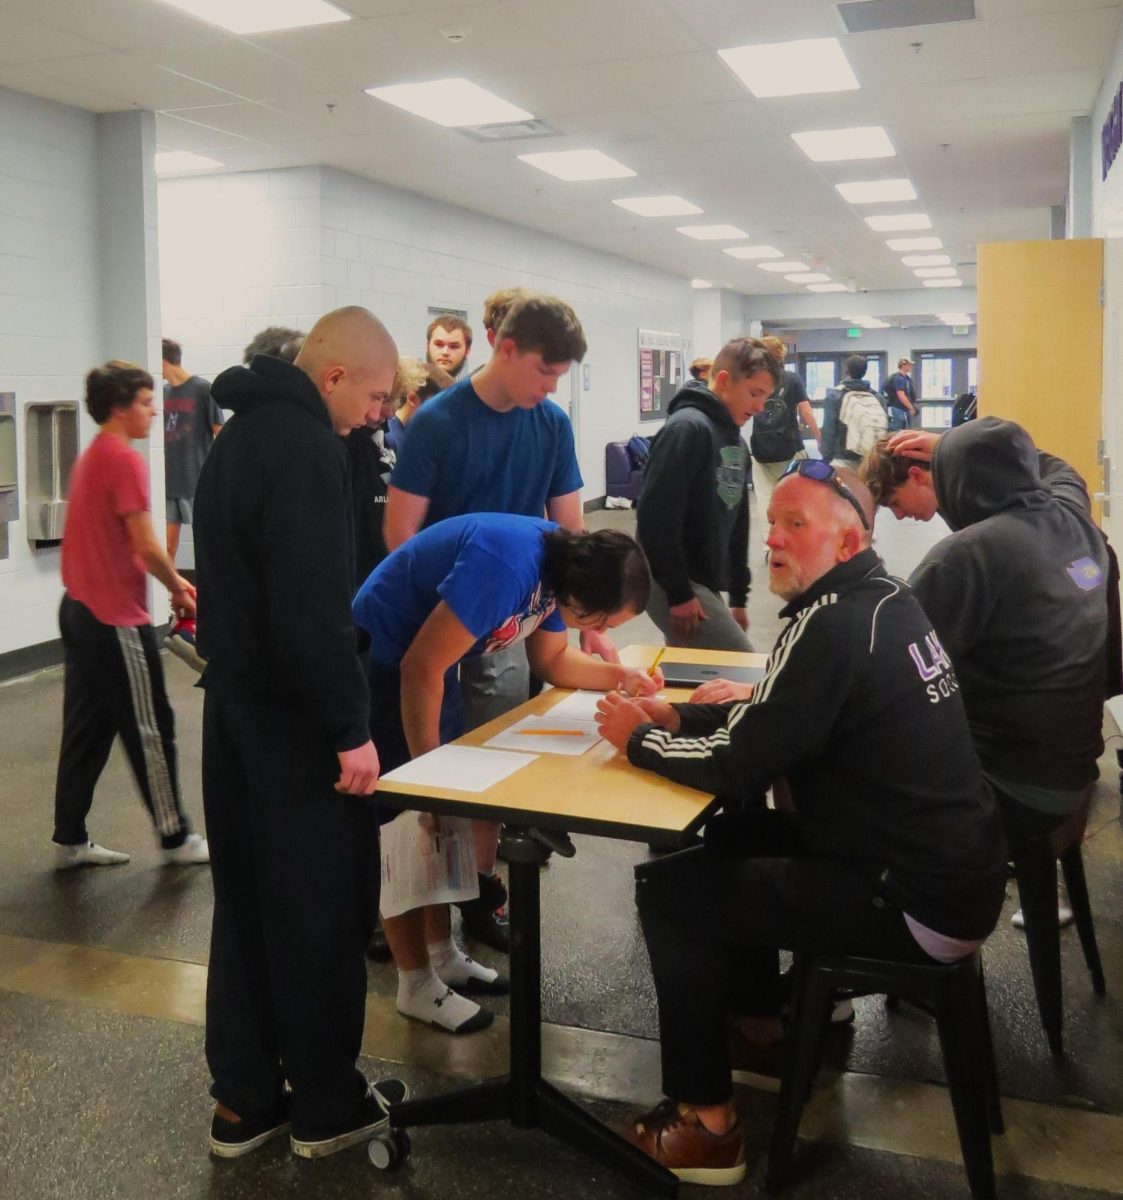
658	660
552	732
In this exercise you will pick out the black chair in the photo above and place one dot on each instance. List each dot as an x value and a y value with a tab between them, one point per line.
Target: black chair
955	994
1035	861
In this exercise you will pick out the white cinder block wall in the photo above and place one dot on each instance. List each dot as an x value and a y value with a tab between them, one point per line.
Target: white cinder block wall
49	313
242	251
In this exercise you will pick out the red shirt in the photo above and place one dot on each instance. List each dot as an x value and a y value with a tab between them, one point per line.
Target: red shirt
99	569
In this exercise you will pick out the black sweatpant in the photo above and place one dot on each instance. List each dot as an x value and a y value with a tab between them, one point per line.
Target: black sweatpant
114	687
286	988
714	927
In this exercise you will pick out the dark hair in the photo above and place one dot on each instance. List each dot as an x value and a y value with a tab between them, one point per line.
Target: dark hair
171	352
883	473
544	325
498	304
275	341
114	386
600	573
745	356
451	323
856	366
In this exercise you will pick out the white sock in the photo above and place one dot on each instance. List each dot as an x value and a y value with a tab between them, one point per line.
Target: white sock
454	967
422	995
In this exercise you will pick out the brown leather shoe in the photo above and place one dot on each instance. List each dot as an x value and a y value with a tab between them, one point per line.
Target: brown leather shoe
673	1135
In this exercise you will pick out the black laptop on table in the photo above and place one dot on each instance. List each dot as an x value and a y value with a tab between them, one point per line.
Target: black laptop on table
692	675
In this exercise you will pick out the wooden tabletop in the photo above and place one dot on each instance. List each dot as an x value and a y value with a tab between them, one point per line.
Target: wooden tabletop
597	792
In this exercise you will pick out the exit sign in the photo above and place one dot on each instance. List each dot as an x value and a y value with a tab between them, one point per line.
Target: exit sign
854	331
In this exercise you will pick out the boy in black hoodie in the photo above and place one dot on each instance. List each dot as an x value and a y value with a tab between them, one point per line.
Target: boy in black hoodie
287	755
693	520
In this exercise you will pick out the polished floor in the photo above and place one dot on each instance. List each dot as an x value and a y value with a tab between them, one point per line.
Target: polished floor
102	975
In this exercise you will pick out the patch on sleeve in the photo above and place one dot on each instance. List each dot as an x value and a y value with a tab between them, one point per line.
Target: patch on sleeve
1085	573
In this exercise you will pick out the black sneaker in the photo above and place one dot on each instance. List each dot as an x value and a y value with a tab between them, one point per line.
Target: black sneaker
232	1139
378	948
491	928
371	1117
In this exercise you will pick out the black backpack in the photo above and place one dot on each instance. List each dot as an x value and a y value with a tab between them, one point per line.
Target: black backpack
775	436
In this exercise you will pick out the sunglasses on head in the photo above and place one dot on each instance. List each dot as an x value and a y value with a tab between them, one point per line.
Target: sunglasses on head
822	472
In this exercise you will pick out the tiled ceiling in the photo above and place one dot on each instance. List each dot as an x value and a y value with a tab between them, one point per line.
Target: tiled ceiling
979	112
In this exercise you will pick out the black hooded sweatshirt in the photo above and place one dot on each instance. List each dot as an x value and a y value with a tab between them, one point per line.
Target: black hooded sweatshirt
274	551
693	519
1018	596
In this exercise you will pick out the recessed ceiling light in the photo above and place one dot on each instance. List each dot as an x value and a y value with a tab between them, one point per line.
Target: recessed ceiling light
753	252
451	102
920	243
791	68
826	287
891	222
713	233
659	206
876	191
262	16
784	267
868	322
168	161
838	145
577	165
698	284
955	318
935	272
809	277
926	260
943	283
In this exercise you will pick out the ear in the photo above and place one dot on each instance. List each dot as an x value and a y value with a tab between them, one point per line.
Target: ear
920	476
507	349
851	544
332	378
719	380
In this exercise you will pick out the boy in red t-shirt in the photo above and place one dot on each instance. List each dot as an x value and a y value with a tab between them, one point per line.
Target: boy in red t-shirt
114	678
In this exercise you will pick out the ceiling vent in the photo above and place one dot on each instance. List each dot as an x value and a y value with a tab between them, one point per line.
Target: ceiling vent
864	16
509	131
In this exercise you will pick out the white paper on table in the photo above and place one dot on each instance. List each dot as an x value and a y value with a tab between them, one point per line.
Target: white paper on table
464	768
422	866
521	736
578	706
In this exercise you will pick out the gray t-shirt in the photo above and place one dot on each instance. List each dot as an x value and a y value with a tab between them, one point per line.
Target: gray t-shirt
189	417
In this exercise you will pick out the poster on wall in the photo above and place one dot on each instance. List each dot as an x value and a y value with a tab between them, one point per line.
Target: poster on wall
661	357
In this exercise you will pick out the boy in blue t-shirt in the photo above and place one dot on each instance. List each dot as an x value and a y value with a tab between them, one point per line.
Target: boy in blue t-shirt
466	587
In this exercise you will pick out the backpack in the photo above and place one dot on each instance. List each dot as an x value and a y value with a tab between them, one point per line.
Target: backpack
775	436
866	421
965	409
639	450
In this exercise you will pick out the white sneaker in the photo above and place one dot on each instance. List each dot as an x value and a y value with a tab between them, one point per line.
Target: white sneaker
842	1012
194	850
88	855
1064	917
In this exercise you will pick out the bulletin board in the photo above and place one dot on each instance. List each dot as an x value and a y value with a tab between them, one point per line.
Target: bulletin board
661	371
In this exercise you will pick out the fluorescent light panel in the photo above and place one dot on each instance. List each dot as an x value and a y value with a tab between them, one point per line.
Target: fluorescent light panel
784	267
826	287
753	252
926	260
841	145
699	284
917	243
876	191
262	16
658	206
713	233
955	318
168	161
935	272
578	165
797	68
939	283
452	103
892	222
809	277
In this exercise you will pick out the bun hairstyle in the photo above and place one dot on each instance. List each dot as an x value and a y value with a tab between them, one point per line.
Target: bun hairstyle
600	573
114	385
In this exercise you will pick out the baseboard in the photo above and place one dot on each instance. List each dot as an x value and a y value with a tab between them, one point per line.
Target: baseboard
29	659
594	504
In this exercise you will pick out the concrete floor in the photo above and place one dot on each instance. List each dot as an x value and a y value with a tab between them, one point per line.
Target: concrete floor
102	975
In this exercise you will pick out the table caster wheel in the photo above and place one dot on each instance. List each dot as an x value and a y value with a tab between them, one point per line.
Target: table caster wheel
389	1150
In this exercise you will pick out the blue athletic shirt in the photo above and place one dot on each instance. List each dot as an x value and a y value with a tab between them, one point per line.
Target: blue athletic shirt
468	458
487	567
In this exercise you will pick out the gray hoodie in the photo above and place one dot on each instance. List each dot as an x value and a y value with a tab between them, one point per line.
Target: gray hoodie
1018	597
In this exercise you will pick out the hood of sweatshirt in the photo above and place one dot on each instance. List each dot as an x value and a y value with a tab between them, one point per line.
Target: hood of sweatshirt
697	395
985	467
268	380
